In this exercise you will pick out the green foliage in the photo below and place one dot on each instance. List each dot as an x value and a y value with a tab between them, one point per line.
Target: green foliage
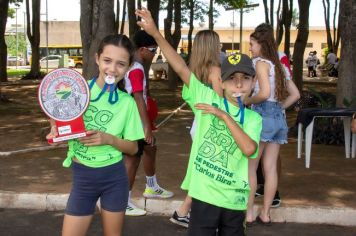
349	103
295	17
232	3
17	73
11	13
201	9
11	44
323	103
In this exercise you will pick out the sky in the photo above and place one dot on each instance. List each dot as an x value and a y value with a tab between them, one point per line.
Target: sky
69	10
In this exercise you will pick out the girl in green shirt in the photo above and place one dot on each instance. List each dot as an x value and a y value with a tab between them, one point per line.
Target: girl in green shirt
96	160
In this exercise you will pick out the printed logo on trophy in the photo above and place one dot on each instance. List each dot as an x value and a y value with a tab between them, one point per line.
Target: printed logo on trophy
64	96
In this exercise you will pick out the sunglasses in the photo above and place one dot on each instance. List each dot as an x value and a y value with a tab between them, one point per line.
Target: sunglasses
152	50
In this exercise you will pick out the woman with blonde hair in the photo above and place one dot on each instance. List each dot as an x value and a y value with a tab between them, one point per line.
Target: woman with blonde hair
204	62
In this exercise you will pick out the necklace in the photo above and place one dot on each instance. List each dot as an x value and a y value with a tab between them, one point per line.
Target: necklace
241	110
113	97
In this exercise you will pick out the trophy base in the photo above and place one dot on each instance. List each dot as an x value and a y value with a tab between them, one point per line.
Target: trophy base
67	137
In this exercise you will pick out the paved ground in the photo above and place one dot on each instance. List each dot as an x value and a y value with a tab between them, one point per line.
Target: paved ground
329	183
15	222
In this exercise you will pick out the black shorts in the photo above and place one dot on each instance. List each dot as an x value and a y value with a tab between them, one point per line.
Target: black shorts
144	143
109	183
141	143
206	219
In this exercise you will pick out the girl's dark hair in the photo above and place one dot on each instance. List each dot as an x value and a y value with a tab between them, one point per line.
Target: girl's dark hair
263	34
122	41
118	40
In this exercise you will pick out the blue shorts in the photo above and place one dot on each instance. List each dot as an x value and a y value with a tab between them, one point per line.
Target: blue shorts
109	183
274	124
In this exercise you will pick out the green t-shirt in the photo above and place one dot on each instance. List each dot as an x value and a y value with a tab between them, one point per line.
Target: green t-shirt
120	119
218	171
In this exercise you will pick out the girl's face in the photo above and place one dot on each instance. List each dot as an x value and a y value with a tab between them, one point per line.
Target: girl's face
238	84
114	61
255	47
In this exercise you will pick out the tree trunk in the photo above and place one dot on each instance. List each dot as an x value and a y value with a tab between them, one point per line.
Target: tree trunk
4	6
271	12
336	31
174	38
287	25
211	15
97	20
117	19
265	6
153	7
327	23
346	85
122	27
191	25
133	27
301	42
280	22
33	34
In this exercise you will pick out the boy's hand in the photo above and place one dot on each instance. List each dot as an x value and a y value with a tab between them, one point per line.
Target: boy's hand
96	138
147	23
209	109
148	135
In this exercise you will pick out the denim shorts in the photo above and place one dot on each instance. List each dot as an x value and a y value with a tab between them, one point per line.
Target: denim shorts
274	124
109	183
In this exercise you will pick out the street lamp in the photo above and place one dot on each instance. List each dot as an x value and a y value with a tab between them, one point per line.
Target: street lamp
233	29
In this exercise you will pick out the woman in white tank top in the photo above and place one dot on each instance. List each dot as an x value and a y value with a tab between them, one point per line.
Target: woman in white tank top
269	99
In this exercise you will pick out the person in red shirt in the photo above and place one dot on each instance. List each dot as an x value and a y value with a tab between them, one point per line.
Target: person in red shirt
136	85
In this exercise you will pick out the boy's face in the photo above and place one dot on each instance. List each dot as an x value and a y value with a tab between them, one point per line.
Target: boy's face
238	84
147	53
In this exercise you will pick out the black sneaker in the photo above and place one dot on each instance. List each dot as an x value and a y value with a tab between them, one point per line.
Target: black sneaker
180	220
276	201
259	191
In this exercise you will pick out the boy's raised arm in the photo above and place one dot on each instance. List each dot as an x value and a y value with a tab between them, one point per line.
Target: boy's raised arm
176	61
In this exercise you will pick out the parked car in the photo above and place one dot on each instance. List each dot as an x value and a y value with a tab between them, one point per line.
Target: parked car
53	61
11	61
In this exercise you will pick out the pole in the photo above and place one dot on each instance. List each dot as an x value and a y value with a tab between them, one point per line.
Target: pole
240	44
233	30
24	37
17	41
47	35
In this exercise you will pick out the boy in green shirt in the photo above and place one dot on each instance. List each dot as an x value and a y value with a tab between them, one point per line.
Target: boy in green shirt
227	134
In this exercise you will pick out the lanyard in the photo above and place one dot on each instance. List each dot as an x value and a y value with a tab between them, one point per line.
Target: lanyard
241	110
113	92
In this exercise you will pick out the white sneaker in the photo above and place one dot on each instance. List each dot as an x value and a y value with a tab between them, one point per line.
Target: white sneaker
132	210
157	193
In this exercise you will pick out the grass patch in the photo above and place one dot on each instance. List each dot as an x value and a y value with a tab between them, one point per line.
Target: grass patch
17	73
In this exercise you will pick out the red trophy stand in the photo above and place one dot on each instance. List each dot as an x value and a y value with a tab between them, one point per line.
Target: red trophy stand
69	130
64	96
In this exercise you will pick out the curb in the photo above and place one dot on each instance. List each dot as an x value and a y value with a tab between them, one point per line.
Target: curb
297	214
